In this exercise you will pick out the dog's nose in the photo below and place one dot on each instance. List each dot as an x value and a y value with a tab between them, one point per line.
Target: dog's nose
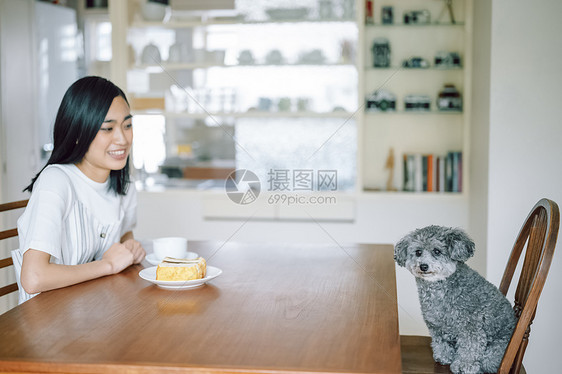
424	267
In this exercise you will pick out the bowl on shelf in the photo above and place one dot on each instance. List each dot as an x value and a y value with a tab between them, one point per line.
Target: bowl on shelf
287	13
153	11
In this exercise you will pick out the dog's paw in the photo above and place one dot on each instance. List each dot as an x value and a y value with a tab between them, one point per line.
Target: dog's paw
443	352
442	359
461	367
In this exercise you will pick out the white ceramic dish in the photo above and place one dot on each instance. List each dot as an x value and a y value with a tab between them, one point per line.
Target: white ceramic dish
149	274
153	260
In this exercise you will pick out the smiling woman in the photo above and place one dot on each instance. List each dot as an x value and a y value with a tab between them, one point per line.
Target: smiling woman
79	220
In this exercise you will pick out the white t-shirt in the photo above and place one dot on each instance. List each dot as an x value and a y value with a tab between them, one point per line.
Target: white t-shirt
72	218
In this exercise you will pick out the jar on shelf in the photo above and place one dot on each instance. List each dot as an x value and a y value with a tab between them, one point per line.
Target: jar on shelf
381	53
387	15
449	99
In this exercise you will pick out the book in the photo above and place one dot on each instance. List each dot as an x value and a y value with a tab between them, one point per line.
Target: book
432	172
409	173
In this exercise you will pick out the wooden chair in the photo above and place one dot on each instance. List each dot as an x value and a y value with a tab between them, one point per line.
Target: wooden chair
538	235
5	234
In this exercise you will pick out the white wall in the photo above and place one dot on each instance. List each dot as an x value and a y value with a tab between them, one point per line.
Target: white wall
480	130
525	148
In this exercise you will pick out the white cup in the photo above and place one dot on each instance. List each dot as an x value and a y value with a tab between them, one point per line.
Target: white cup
170	247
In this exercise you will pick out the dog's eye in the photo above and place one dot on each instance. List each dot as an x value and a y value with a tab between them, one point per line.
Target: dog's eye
436	252
418	253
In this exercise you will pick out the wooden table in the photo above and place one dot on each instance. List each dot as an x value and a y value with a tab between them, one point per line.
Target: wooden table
275	309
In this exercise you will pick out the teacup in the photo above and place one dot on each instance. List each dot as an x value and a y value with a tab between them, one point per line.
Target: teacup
170	247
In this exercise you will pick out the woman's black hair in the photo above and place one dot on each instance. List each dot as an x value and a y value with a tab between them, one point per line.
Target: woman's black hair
79	118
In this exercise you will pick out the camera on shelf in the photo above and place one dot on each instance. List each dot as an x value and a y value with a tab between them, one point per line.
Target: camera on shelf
449	99
381	101
417	103
447	60
416	63
417	17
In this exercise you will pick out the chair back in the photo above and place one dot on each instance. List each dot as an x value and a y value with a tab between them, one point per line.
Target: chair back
5	234
538	235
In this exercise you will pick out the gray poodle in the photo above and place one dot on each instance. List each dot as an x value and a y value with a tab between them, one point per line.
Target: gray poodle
470	321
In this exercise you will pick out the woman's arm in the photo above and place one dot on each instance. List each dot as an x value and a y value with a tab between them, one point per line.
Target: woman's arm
38	274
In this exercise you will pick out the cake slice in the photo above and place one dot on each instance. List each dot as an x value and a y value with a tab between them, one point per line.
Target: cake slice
175	269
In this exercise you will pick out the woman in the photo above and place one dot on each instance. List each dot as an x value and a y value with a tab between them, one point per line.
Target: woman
78	223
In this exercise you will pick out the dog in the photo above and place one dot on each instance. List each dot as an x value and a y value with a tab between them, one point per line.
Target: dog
470	321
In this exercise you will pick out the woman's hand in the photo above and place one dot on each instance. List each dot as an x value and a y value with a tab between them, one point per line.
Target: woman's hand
119	256
136	249
134	246
122	255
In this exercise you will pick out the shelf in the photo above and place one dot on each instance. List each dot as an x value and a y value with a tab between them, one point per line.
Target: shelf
431	68
432	131
152	68
389	135
413	112
374	193
251	114
433	24
178	24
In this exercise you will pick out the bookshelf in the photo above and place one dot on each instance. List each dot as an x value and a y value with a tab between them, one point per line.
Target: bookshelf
411	136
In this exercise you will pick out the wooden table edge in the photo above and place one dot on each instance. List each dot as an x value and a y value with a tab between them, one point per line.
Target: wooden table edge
144	368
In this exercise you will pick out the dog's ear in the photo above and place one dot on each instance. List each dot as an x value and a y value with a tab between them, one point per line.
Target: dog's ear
401	250
461	247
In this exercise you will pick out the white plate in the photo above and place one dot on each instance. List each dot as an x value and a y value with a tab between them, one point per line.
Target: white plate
149	274
153	260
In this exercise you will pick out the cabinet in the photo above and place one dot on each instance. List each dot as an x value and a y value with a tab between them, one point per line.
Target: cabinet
406	134
271	110
331	95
